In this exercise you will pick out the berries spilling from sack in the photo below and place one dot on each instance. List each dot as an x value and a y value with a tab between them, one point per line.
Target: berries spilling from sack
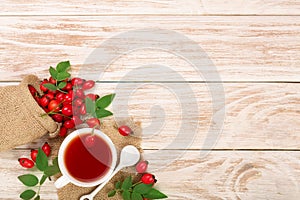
69	100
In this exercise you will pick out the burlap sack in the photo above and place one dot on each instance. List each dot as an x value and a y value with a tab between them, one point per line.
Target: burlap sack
72	192
21	119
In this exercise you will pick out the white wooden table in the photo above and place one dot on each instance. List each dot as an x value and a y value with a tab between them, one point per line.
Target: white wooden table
255	46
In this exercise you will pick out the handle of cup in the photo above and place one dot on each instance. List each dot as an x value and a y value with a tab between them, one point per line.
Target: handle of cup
61	182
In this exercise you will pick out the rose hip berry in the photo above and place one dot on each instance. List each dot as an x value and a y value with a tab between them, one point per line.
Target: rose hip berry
78	102
26	163
52	80
83	109
42	87
33	154
69	124
142	166
68	87
67	110
57	117
54	105
93	122
79	93
60	96
63	131
49	96
68	97
88	85
89	141
94	97
46	148
76	120
32	90
148	179
76	81
125	130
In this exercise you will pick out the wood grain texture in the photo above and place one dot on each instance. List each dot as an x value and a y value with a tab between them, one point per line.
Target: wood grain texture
220	175
249	48
110	7
257	116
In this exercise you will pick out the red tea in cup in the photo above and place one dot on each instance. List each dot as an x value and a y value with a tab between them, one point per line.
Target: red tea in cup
87	163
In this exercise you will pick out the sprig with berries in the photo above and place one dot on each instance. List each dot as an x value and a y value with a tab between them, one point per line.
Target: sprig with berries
39	160
141	190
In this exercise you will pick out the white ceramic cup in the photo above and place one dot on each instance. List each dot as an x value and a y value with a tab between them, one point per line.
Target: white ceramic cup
66	177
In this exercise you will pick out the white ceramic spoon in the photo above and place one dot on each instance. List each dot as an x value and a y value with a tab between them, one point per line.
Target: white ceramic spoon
129	156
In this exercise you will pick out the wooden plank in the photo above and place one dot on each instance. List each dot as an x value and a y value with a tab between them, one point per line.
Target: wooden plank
257	116
242	48
109	7
221	175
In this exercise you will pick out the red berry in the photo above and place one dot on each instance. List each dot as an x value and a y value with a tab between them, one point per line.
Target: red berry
94	97
76	81
57	117
83	109
52	92
46	110
33	154
63	131
69	124
49	96
79	93
88	85
89	141
37	99
141	167
76	120
42	87
25	162
68	87
93	122
125	130
44	101
78	102
67	110
52	80
60	96
68	97
46	148
54	106
32	90
148	179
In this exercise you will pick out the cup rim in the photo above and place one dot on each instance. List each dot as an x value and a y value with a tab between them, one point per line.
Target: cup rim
65	143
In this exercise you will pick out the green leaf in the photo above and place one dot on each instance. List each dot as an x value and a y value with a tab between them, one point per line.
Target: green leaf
127	183
126	195
112	193
63	66
61	85
27	194
53	73
41	160
105	101
43	179
37	197
155	194
29	180
51	170
142	188
118	185
101	113
55	161
50	86
90	105
136	196
62	76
